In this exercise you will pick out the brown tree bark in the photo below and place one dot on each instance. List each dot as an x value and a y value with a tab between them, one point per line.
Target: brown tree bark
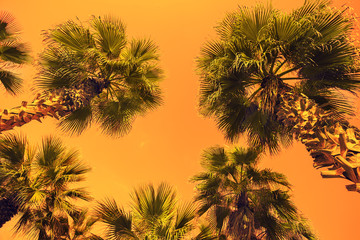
57	103
332	142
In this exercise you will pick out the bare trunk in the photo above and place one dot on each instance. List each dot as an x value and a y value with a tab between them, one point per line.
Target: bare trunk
333	143
57	103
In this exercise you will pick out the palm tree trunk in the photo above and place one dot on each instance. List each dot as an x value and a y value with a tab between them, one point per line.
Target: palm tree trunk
8	209
57	103
332	142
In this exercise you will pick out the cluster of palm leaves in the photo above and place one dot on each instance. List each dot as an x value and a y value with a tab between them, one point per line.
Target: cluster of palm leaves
243	202
12	53
36	183
155	214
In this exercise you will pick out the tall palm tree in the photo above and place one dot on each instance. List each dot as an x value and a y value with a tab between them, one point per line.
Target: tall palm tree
244	202
274	75
92	73
39	182
12	53
155	214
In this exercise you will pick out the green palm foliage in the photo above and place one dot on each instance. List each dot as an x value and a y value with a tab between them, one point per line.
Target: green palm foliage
15	161
40	182
12	53
119	75
92	73
263	53
245	202
155	214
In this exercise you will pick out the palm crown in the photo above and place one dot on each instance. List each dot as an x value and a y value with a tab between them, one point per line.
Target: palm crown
93	73
38	181
244	202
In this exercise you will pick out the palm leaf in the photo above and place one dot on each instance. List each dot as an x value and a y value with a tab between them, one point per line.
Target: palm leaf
10	81
77	122
110	35
73	36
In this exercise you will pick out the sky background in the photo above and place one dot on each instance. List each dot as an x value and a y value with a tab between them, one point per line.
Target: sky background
166	144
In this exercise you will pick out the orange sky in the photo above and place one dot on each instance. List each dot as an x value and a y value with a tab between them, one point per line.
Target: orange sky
166	144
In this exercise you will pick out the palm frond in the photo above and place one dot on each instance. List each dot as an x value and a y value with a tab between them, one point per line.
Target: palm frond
72	35
184	216
8	27
11	82
13	149
141	51
60	68
154	205
118	221
78	121
205	233
116	117
310	7
255	21
110	35
14	52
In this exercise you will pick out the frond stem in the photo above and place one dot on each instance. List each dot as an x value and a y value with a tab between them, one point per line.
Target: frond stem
292	78
280	66
271	70
288	71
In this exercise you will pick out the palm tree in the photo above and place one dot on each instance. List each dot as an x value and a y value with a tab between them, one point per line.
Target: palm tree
92	73
155	214
274	75
12	53
244	202
38	181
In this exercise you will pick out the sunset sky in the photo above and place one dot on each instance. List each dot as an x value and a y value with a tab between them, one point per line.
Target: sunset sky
166	144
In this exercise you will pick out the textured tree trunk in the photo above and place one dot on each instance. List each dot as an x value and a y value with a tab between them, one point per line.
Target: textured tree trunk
8	209
332	143
57	103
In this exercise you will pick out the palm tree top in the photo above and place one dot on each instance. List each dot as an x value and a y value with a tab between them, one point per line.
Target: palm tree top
119	75
262	52
242	201
92	72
